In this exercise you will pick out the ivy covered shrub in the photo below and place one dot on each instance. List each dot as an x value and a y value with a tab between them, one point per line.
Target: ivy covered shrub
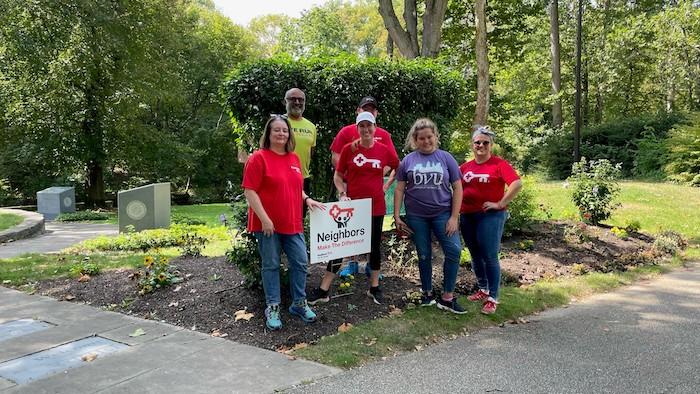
594	188
405	91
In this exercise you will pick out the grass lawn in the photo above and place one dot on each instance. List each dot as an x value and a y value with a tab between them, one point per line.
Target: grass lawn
656	206
8	220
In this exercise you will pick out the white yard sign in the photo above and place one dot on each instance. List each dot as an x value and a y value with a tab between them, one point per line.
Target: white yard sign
343	229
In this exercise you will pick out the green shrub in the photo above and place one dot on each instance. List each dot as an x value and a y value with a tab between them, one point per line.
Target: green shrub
80	216
146	240
594	186
333	88
244	249
191	244
521	211
633	226
186	220
617	141
683	147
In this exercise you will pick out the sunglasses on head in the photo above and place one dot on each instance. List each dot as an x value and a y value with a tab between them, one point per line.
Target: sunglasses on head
484	143
279	116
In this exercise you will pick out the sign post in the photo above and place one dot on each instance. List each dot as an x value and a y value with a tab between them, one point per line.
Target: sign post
343	229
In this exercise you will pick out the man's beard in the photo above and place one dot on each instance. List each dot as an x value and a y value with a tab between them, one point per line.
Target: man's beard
294	110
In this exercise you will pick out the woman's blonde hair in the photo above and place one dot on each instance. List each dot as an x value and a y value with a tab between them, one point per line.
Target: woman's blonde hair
420	124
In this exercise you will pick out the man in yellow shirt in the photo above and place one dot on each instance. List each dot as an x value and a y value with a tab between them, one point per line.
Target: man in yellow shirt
304	133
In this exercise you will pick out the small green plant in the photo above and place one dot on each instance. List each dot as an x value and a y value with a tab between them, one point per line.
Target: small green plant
82	216
526	244
191	244
85	267
346	284
465	257
633	226
401	255
578	269
521	211
414	297
594	188
215	277
157	273
669	242
577	232
620	232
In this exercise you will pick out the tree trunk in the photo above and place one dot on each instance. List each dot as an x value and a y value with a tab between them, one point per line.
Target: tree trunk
95	184
584	90
432	27
482	64
577	105
401	37
598	115
389	47
557	118
406	40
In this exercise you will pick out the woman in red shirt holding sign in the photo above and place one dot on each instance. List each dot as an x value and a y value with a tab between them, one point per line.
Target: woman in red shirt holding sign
483	213
273	186
362	165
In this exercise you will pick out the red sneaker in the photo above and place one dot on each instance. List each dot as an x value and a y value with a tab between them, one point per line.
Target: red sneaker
489	307
478	296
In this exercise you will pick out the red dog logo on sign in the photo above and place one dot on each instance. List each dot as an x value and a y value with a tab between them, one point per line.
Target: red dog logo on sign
340	215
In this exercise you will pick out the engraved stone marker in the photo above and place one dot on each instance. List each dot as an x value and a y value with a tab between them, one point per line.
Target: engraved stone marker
17	328
58	359
145	207
55	200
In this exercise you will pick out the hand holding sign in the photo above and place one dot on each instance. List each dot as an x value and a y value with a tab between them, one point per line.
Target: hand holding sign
341	229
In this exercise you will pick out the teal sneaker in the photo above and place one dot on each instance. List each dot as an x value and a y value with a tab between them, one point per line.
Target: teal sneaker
350	269
272	316
303	311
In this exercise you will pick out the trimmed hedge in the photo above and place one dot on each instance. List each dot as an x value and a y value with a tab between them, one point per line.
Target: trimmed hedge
405	91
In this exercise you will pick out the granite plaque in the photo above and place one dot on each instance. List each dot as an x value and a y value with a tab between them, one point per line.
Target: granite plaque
17	328
58	359
54	201
144	207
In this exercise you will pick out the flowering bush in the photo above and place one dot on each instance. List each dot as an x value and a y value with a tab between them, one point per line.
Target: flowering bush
619	232
594	187
155	274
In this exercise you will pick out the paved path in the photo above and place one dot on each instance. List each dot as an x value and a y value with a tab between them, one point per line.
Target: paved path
165	359
641	339
58	236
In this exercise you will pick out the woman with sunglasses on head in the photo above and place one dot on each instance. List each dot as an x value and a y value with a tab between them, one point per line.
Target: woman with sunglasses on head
483	213
273	186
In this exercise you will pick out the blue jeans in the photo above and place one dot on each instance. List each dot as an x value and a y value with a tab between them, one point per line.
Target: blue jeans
482	233
423	229
270	249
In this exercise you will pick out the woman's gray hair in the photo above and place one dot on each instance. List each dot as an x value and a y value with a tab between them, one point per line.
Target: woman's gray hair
420	124
485	130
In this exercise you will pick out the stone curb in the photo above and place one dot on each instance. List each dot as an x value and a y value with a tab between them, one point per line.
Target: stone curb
32	225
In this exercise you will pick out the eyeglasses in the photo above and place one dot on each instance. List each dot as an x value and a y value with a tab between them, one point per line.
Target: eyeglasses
484	143
299	99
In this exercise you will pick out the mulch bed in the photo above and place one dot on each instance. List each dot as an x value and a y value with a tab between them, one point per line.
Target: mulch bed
212	292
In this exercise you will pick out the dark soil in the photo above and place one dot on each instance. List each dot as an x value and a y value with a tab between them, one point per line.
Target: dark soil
212	290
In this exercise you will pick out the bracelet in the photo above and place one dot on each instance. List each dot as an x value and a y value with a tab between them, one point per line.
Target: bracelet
306	198
342	194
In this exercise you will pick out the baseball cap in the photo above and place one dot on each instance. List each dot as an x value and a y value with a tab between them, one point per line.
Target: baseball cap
365	116
368	100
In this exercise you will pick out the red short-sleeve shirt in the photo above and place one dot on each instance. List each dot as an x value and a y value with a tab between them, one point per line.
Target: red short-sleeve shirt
364	171
278	181
485	182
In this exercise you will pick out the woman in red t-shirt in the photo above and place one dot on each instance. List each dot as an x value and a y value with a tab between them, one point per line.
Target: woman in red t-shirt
273	186
483	213
362	165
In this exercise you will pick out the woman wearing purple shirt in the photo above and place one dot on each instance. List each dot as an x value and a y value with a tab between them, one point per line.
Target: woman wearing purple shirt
429	185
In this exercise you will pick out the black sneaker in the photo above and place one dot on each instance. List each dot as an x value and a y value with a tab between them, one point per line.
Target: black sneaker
427	299
451	306
375	293
318	296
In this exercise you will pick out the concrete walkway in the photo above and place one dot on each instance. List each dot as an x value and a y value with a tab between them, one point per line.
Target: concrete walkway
164	359
641	339
58	236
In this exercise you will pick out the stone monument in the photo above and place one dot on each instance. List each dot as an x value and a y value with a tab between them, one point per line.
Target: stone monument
54	201
144	207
